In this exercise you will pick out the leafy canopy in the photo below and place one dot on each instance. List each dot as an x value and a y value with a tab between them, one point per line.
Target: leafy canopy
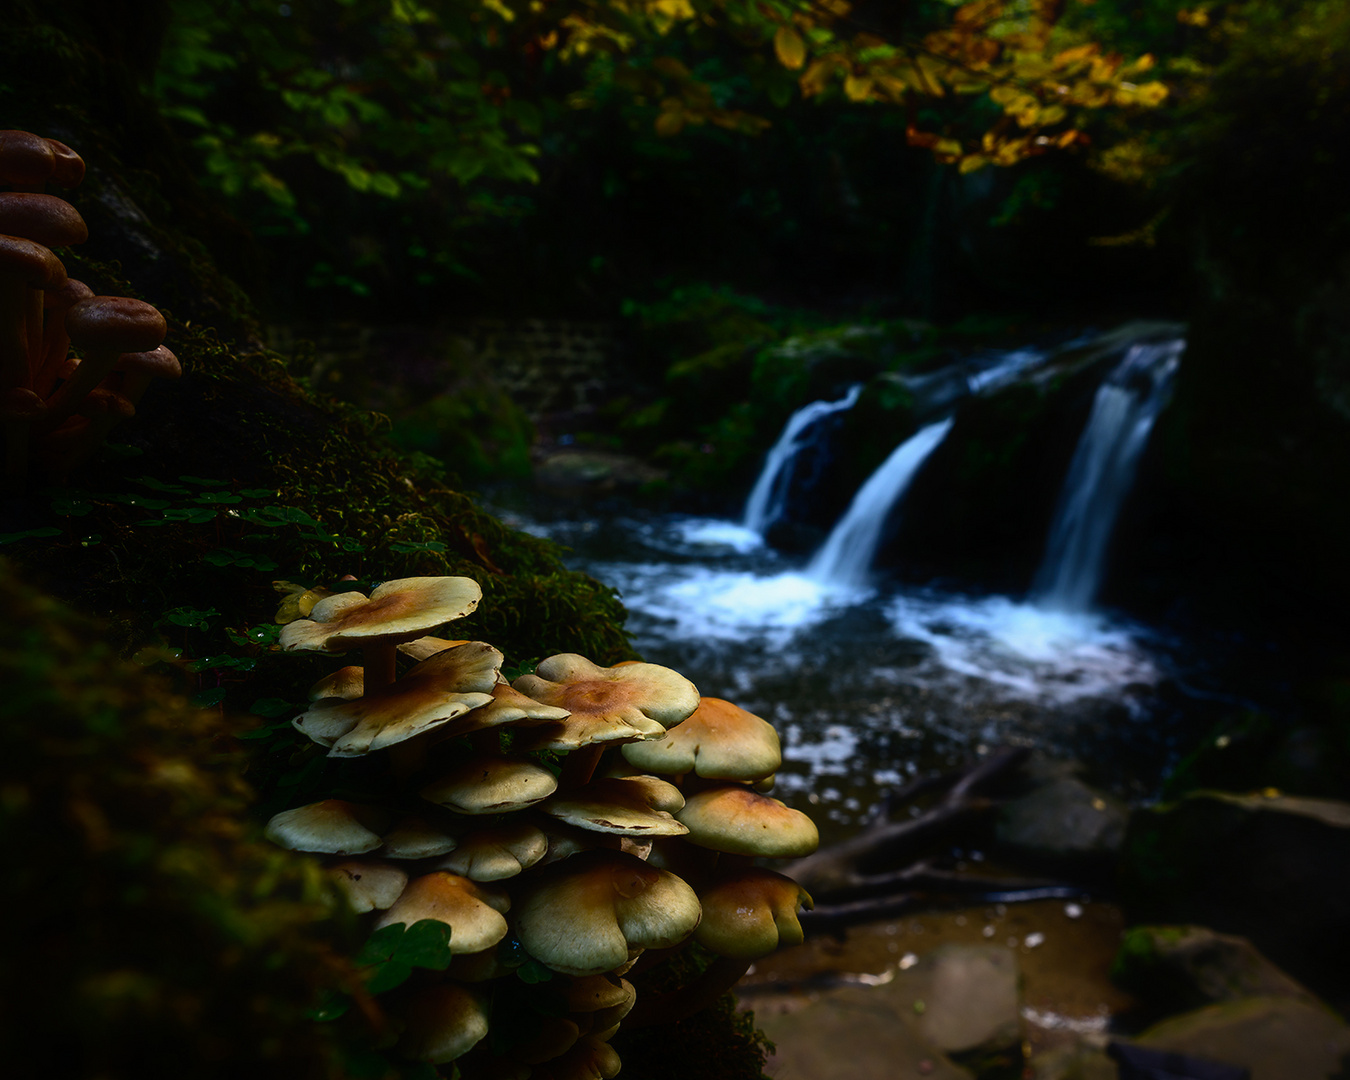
397	96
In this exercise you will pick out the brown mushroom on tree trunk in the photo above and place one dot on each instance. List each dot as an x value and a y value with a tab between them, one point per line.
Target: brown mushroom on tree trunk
102	328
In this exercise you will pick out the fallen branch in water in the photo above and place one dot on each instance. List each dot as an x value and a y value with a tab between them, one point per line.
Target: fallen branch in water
865	863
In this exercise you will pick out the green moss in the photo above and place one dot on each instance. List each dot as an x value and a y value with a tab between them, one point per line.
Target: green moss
155	928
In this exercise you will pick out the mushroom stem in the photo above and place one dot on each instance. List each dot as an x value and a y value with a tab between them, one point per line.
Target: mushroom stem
579	766
721	975
63	404
407	758
378	665
32	318
13	332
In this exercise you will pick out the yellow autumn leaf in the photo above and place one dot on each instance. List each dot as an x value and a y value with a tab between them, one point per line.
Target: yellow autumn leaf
973	162
671	119
857	87
1150	94
1072	56
816	77
790	47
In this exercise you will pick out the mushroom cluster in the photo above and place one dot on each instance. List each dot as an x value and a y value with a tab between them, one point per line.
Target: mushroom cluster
570	828
54	408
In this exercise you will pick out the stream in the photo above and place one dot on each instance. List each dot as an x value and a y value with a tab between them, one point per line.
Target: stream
872	681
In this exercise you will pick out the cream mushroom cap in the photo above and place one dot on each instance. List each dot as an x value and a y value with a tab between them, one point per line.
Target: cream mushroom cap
751	913
397	610
368	884
734	819
633	806
331	826
414	838
719	741
621	703
497	852
434	692
441	1023
586	914
473	914
491	784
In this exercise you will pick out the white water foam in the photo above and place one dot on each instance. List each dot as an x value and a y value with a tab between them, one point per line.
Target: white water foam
1029	652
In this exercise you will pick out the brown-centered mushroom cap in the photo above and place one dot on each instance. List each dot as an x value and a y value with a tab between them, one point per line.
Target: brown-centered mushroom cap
332	826
437	690
750	913
398	610
441	1023
491	784
497	852
720	741
26	160
633	806
582	916
739	821
474	914
115	324
44	218
616	704
368	884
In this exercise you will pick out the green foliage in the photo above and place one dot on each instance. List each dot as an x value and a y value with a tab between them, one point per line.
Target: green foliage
153	914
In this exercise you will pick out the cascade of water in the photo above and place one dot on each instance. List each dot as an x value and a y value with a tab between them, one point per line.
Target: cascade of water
769	495
1101	473
847	554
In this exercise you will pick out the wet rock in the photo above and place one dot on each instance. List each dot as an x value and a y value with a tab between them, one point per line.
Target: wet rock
955	1013
1080	1061
1274	869
585	472
1178	968
971	1007
1065	824
852	1032
1277	1038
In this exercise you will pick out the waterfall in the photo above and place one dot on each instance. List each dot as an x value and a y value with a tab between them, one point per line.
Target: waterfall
1101	473
768	498
847	554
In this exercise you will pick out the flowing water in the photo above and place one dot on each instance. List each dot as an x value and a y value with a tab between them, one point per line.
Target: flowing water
768	497
871	681
1100	476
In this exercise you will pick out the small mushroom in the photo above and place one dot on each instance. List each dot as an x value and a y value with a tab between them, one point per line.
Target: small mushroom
719	741
27	161
332	826
103	328
739	821
751	913
369	885
441	1023
474	914
639	806
497	852
584	915
491	784
27	269
623	703
397	611
437	690
414	838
